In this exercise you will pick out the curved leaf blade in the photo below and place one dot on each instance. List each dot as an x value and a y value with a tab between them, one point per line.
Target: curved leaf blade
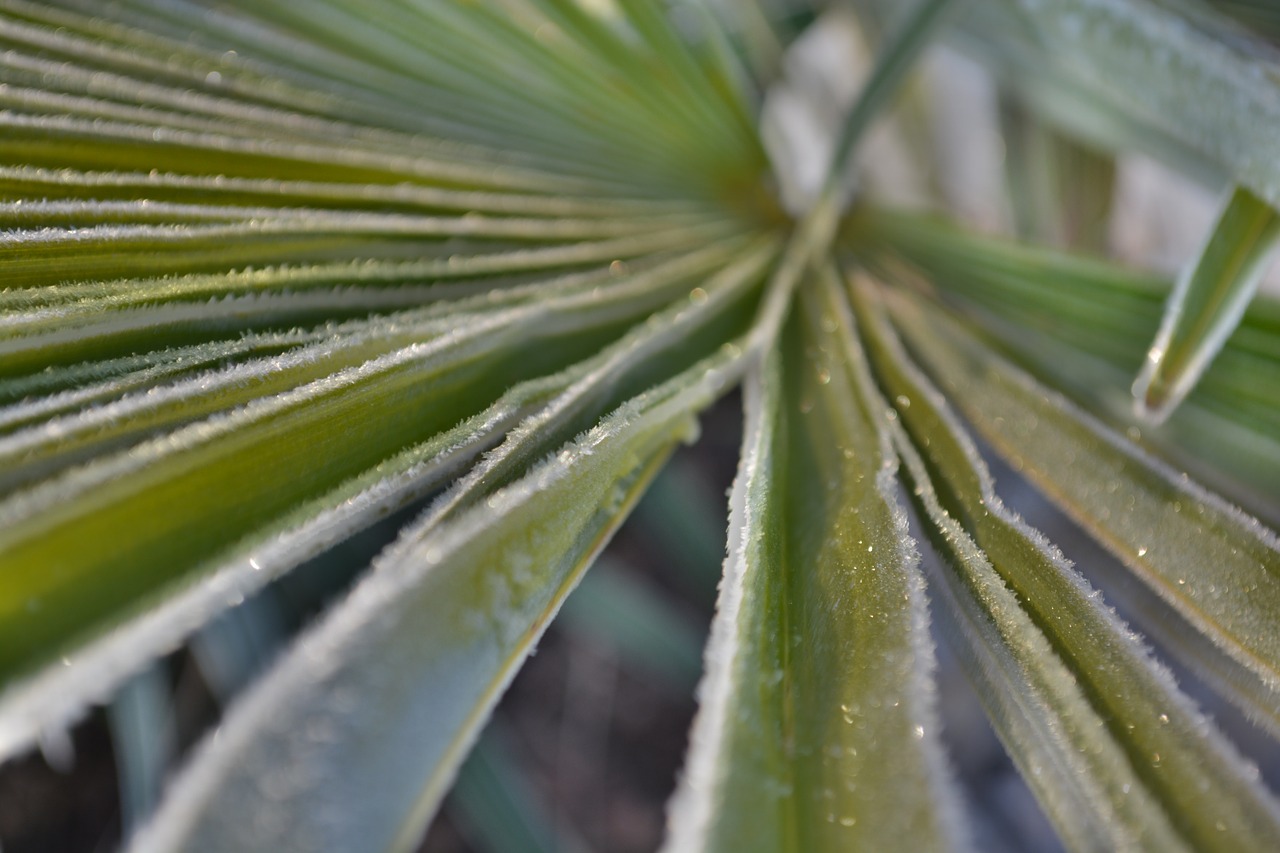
1214	565
390	689
1209	793
1080	324
1060	744
562	404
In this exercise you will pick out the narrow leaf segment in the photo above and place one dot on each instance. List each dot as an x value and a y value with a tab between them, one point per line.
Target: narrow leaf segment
1214	565
390	689
1080	324
817	729
1208	795
1208	302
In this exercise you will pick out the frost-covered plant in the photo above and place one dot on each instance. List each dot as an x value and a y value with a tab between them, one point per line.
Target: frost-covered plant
274	270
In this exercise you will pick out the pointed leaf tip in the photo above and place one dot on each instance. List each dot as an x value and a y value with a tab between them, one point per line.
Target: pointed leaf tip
1207	304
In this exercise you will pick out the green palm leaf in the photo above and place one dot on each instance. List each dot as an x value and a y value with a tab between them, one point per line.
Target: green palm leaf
273	271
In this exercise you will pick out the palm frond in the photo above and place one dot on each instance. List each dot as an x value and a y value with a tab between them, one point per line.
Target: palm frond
275	271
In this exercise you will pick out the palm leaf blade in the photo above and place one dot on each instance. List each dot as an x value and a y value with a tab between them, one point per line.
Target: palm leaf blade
1171	746
1208	303
818	750
459	605
1214	565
